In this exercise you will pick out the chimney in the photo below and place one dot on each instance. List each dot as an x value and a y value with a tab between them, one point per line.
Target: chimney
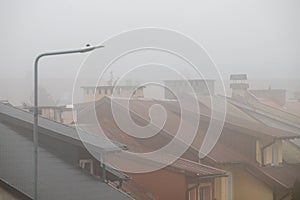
239	86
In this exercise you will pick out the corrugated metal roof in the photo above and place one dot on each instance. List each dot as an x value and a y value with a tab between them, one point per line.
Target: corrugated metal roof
140	108
290	131
253	104
230	108
272	125
57	179
219	154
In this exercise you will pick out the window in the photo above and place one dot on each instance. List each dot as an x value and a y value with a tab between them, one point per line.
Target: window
275	154
272	154
205	191
201	192
87	164
87	91
193	194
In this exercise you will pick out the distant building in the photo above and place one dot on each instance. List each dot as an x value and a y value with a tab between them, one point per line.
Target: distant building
278	96
6	102
95	93
63	114
201	87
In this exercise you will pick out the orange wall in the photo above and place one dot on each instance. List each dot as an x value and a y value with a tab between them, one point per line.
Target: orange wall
162	184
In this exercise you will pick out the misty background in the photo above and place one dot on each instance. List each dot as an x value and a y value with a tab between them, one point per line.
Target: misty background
259	38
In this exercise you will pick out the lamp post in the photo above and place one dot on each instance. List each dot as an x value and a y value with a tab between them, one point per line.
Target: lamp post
88	48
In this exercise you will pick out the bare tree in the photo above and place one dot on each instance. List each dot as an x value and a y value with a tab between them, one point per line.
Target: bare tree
45	98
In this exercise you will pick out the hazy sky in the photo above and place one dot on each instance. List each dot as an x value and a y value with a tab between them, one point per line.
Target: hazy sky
257	37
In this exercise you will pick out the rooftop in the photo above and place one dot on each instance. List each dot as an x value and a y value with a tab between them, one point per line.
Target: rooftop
54	173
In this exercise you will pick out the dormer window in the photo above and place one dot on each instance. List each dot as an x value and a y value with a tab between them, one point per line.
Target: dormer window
276	154
270	154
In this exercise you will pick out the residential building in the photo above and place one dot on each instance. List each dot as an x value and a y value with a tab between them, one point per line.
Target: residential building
63	114
182	179
91	93
248	150
266	109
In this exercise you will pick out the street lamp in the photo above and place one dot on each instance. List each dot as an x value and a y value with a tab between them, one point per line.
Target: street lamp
88	48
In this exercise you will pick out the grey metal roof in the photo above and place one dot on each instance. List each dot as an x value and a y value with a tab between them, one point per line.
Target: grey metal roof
273	122
291	129
60	130
57	179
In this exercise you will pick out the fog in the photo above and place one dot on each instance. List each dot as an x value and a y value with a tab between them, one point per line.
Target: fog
259	38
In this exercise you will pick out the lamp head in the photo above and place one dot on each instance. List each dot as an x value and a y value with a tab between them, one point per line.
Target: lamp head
89	48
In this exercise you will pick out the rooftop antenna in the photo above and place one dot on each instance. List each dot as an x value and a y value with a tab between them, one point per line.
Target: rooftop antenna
111	79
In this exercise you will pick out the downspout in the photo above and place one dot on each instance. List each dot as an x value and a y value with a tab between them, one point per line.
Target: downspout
104	172
102	156
229	186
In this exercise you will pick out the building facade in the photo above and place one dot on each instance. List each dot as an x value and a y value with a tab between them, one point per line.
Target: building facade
96	93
